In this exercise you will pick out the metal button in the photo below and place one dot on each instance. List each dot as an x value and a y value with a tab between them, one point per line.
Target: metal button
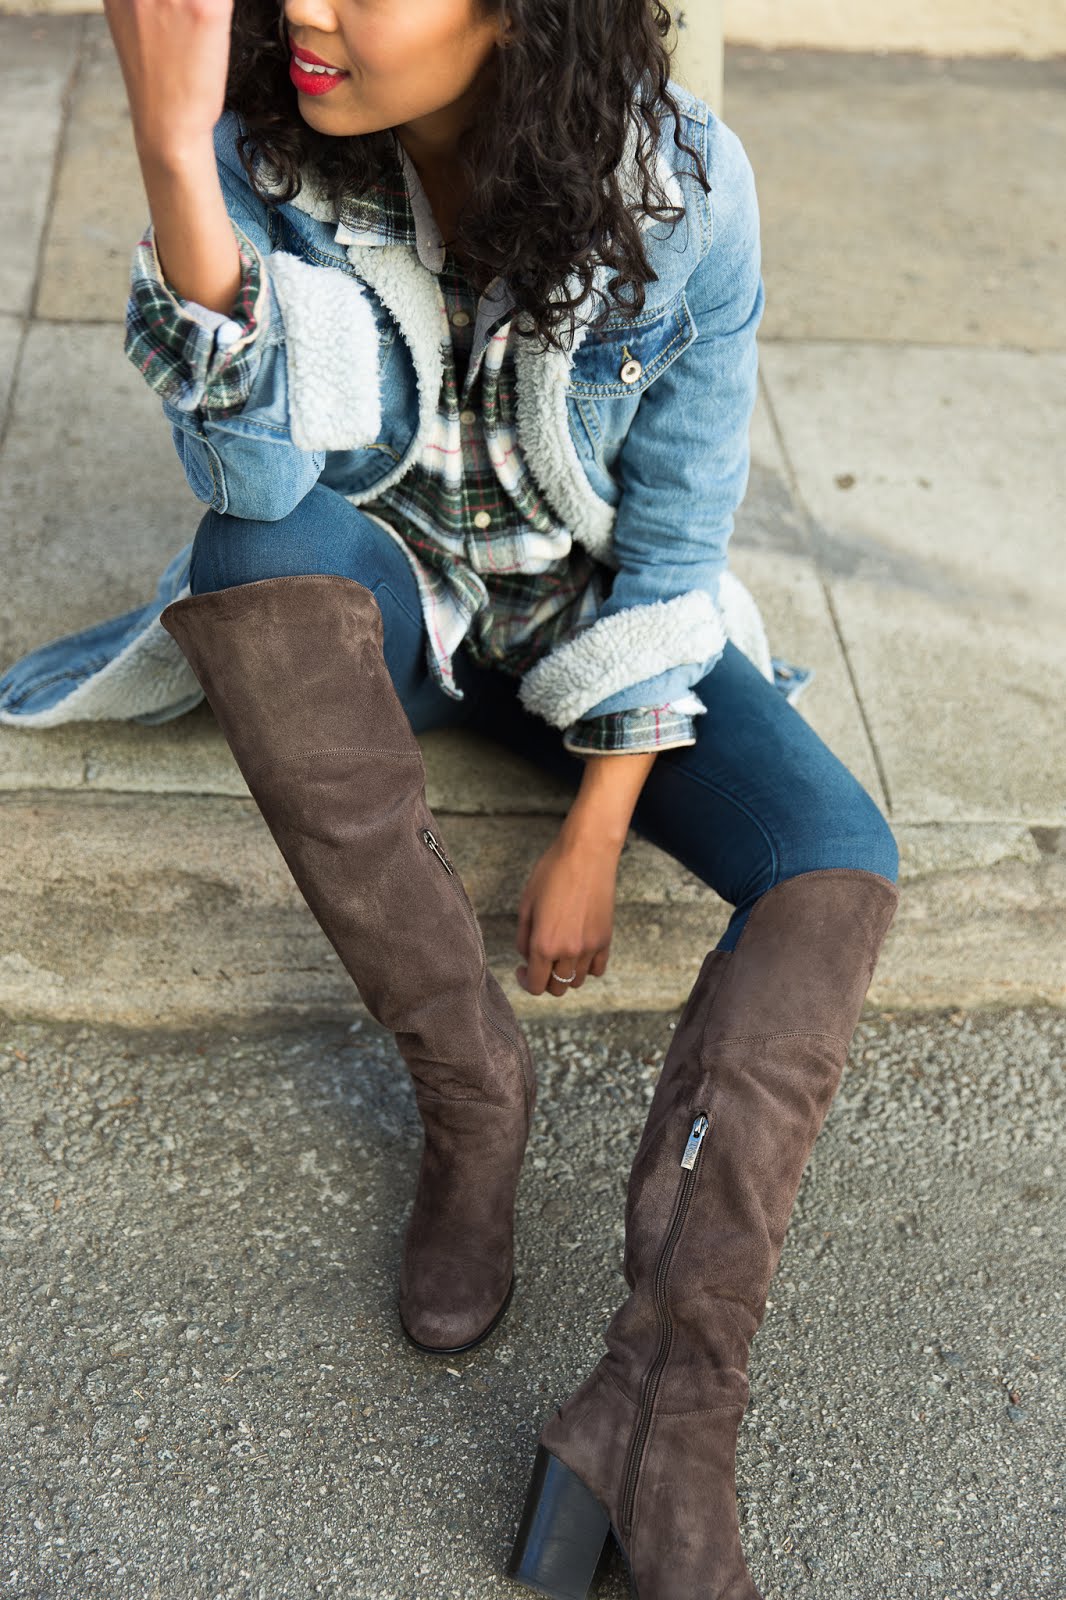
468	416
482	519
631	370
460	319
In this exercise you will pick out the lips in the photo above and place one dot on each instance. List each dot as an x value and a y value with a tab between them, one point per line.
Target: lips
311	73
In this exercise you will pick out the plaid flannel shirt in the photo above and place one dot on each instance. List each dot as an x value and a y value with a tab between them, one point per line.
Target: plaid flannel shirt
497	574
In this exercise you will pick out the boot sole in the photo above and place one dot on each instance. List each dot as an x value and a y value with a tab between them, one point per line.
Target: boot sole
460	1349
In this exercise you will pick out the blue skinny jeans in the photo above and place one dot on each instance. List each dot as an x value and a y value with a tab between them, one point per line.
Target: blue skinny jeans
758	798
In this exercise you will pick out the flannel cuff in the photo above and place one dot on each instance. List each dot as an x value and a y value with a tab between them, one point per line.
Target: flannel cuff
197	359
641	728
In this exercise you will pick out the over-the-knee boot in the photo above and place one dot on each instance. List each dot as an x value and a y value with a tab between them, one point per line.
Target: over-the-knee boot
294	671
646	1447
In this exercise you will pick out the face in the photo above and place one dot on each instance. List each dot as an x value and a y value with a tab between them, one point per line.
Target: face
411	65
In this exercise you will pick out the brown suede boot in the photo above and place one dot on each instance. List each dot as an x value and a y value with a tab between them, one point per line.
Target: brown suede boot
646	1447
294	671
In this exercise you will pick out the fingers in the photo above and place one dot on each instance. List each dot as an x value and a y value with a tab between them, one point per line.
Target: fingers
598	964
539	975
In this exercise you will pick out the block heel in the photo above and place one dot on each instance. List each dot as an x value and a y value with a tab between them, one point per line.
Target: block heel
562	1533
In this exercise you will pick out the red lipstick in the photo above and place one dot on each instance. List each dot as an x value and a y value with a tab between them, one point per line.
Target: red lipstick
313	82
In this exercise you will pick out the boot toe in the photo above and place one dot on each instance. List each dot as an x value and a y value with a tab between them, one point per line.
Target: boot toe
449	1329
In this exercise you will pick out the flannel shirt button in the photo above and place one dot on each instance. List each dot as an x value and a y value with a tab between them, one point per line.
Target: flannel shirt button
631	371
467	416
482	519
460	319
228	334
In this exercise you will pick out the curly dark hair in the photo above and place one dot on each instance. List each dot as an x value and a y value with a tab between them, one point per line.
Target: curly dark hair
544	201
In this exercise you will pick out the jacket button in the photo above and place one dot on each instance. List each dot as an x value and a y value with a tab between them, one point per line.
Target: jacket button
631	371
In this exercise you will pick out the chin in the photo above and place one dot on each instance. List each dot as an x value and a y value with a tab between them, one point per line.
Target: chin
336	120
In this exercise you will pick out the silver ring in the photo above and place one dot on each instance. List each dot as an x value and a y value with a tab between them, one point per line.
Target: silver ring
570	979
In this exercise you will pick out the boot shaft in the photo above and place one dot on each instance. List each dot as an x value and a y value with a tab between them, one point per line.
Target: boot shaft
310	648
294	672
750	1074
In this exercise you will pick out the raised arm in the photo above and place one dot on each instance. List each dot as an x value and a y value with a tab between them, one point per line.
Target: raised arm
174	56
209	294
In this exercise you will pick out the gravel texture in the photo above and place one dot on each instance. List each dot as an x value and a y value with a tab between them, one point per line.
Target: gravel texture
204	1392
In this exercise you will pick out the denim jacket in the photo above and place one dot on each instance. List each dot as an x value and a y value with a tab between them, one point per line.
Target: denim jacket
636	433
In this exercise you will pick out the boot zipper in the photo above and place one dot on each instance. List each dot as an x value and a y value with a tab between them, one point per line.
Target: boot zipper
653	1378
430	839
695	1141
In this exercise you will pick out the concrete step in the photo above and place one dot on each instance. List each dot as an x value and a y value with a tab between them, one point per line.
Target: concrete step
126	904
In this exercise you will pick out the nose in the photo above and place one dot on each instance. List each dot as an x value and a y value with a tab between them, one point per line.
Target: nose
317	16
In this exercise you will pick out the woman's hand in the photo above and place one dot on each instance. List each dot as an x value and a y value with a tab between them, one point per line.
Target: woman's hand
567	909
174	56
566	914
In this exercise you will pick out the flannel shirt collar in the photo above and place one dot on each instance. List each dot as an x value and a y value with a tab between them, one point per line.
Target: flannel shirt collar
396	210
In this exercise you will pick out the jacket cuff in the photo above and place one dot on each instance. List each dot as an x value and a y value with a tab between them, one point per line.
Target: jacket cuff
196	358
641	729
622	650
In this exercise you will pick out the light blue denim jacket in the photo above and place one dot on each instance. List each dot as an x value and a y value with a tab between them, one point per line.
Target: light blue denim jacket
637	433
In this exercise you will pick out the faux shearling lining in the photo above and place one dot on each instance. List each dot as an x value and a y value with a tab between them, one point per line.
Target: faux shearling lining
151	674
331	345
620	650
148	675
744	625
411	295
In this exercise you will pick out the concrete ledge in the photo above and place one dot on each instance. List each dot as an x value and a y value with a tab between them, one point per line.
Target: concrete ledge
148	909
189	756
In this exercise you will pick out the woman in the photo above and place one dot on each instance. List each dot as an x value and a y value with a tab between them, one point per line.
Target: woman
452	526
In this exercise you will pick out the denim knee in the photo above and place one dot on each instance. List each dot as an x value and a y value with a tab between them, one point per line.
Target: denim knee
323	533
206	569
230	550
860	839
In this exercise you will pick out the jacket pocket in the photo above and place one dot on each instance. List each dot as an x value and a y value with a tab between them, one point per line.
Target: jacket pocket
621	359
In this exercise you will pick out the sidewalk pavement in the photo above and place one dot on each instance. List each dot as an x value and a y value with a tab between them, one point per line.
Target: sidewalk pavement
903	535
205	1394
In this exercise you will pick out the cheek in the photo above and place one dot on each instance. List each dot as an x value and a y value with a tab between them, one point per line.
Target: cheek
407	49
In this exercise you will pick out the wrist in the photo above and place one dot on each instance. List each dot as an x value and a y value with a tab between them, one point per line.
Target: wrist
603	807
165	159
590	831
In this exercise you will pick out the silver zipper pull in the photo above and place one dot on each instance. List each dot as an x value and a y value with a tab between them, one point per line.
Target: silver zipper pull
695	1140
430	839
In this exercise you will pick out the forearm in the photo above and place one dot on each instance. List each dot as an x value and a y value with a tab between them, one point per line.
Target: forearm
610	788
194	238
